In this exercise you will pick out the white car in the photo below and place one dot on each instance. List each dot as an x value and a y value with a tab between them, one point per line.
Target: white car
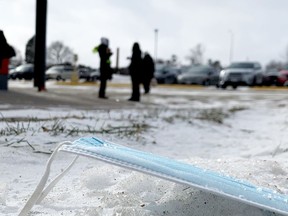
241	73
61	72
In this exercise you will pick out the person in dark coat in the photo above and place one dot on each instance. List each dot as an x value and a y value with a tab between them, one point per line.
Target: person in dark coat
148	72
135	70
105	68
6	52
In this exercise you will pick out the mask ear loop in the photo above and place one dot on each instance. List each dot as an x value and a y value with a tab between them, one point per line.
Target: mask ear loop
55	181
39	194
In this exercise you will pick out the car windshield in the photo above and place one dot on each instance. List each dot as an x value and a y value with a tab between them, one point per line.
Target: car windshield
68	69
54	69
159	67
241	65
199	70
166	69
23	68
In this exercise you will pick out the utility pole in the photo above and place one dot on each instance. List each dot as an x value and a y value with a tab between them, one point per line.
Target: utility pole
231	46
117	60
155	45
40	45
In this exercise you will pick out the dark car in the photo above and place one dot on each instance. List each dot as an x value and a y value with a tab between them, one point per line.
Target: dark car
201	75
84	73
270	77
25	71
166	74
282	79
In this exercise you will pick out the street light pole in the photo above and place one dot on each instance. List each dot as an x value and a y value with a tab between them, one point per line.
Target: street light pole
40	45
231	46
155	44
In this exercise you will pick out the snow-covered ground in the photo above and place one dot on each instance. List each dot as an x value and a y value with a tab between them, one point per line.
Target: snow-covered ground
239	133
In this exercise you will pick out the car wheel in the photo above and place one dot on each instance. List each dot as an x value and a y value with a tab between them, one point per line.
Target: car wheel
224	86
58	78
234	86
206	83
254	82
160	82
169	80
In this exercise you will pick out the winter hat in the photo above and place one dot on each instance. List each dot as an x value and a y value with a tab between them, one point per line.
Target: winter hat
105	41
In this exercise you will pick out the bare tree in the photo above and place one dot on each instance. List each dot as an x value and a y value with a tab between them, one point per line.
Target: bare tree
17	59
174	59
196	55
275	65
30	50
285	56
58	53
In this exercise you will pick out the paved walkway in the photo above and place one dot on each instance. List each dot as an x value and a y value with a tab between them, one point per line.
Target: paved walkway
21	95
27	98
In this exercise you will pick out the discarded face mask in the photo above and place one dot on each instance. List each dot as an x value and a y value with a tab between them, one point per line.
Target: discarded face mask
183	173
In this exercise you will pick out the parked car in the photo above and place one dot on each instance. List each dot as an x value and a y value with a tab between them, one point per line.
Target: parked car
241	73
60	72
282	78
84	73
124	71
202	75
11	67
166	74
94	75
25	71
270	77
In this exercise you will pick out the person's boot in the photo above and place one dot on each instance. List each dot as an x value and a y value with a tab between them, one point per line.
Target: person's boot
103	97
134	99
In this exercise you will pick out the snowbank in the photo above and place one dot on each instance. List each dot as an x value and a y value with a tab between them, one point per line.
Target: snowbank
244	137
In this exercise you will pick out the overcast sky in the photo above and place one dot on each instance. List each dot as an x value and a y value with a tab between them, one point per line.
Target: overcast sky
259	27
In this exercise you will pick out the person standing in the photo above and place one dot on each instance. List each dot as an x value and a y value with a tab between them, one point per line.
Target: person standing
6	52
105	65
148	72
135	70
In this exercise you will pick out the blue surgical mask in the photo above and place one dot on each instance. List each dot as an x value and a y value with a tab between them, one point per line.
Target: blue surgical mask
166	168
